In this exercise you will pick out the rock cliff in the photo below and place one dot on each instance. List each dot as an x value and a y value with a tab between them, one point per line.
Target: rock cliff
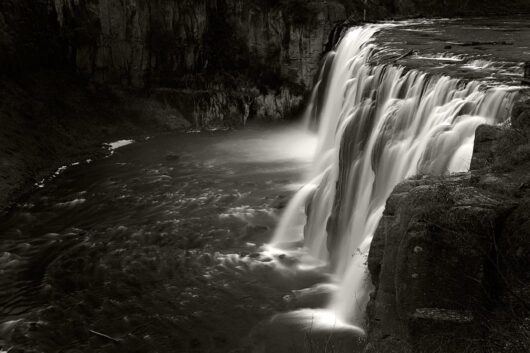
266	52
136	42
449	259
251	55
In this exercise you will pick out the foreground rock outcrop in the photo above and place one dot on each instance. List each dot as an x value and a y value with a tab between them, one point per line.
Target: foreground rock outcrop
450	257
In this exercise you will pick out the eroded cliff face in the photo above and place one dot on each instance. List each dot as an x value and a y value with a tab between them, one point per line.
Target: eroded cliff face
136	41
268	52
264	48
450	257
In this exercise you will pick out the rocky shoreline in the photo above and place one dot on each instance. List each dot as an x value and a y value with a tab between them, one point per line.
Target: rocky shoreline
50	119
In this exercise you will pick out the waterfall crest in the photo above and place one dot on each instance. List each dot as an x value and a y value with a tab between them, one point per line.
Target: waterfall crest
378	125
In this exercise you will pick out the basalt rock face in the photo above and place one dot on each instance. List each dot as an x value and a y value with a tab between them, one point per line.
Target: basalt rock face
449	259
135	42
28	37
266	48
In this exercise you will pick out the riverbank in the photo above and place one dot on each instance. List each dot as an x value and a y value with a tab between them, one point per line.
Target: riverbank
50	119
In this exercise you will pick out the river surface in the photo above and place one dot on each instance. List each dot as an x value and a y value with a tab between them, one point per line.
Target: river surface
149	248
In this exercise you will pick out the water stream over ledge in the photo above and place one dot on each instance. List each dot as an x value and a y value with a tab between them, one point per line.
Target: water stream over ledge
377	125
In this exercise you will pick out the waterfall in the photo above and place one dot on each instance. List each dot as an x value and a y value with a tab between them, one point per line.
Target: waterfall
377	125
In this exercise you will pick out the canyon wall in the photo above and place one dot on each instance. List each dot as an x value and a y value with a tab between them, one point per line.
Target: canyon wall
139	42
243	57
235	59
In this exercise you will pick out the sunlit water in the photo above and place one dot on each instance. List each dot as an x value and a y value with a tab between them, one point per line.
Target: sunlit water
160	238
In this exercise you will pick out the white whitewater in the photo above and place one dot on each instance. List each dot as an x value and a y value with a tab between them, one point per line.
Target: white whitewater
377	125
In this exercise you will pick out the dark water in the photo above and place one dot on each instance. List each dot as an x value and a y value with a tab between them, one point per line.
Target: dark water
145	250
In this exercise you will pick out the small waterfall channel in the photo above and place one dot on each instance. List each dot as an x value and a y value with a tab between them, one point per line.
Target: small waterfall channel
376	126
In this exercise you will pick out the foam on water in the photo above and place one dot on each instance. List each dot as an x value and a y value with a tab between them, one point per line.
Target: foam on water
118	144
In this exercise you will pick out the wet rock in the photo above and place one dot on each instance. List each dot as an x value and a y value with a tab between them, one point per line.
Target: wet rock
486	141
172	156
521	115
280	202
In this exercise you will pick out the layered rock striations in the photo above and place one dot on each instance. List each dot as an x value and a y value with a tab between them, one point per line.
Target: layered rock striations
242	52
450	257
136	42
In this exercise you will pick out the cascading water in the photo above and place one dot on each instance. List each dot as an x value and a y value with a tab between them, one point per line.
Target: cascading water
377	125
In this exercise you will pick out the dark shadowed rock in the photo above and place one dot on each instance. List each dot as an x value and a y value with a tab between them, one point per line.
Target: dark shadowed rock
449	256
172	156
484	149
160	41
521	115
